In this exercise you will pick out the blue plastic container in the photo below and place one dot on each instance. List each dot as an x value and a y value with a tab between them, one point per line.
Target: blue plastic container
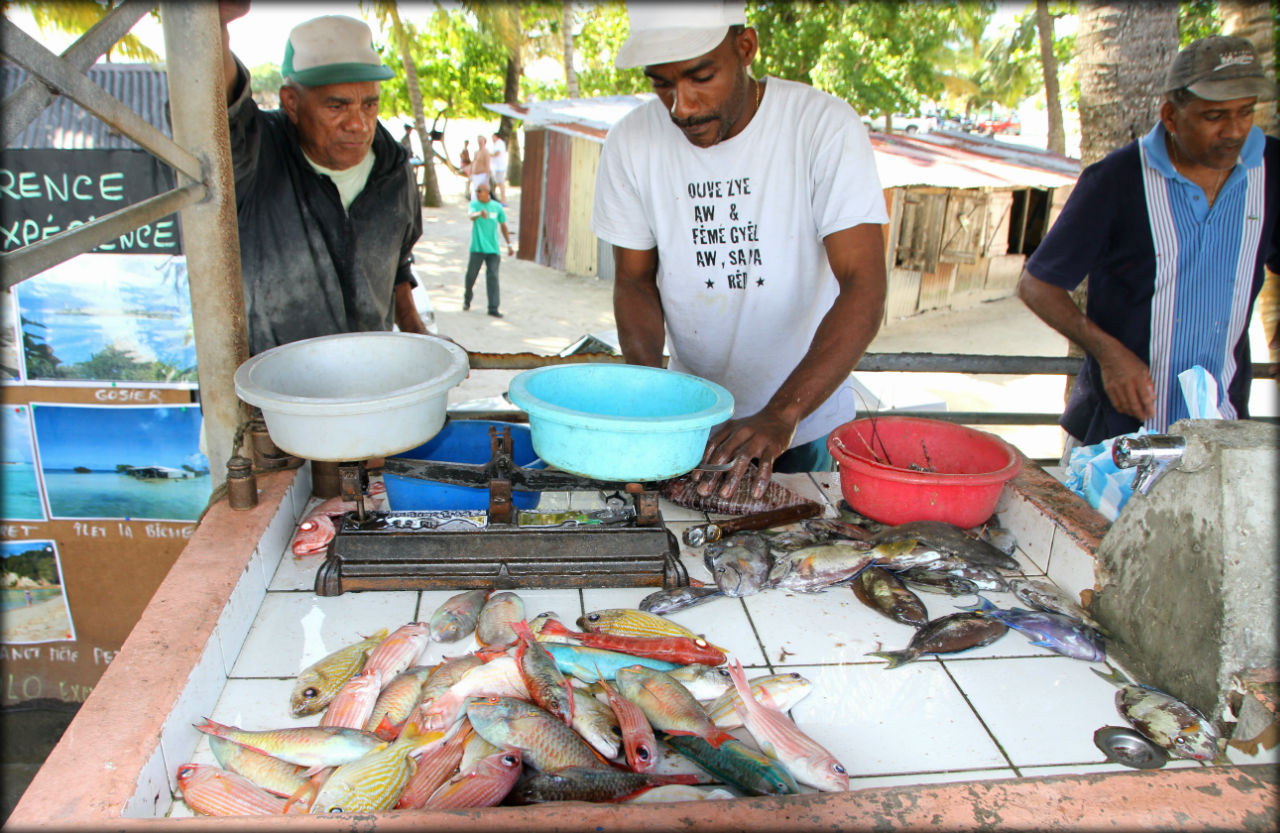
618	421
460	441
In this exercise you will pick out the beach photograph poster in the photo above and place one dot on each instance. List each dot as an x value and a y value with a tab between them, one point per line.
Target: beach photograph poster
109	318
136	462
19	485
34	607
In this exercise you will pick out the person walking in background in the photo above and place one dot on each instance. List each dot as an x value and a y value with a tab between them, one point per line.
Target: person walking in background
480	166
487	217
498	168
464	158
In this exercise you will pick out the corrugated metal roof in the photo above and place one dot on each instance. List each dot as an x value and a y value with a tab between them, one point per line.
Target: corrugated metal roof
942	160
65	125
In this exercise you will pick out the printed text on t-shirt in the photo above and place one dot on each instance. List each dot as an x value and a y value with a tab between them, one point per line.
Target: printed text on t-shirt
720	234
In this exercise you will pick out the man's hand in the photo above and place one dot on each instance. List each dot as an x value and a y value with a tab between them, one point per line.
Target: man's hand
1127	381
406	311
762	437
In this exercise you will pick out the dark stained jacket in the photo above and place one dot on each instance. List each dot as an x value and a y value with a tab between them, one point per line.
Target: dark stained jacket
310	268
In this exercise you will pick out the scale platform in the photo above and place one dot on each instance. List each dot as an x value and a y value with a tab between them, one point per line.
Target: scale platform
625	544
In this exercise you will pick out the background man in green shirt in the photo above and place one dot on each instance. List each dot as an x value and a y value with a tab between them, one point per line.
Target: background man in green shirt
486	218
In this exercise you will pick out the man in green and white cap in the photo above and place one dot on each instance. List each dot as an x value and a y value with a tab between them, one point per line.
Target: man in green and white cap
327	206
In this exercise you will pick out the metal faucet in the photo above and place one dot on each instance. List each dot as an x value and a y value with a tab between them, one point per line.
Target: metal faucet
1152	454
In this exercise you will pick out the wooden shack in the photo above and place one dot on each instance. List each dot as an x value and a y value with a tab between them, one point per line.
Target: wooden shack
965	211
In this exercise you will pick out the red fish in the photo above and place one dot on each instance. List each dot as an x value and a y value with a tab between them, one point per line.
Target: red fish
678	649
317	529
547	685
399	650
435	767
484	785
352	705
638	742
211	791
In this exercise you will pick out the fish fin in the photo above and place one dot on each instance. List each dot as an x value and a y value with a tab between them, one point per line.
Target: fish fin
984	604
388	730
490	654
557	628
316	776
719	738
1115	677
739	677
521	628
895	658
210	727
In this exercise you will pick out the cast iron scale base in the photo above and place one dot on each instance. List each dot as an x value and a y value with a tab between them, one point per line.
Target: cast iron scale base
624	545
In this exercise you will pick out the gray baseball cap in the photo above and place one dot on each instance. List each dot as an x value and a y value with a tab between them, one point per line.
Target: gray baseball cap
1219	68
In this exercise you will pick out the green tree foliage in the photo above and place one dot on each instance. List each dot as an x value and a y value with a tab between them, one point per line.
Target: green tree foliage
460	68
1197	19
75	17
37	564
265	81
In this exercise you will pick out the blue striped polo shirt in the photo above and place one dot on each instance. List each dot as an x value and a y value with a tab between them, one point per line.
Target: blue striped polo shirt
1170	277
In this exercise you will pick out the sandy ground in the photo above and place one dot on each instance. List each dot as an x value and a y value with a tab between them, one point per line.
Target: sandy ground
546	310
41	622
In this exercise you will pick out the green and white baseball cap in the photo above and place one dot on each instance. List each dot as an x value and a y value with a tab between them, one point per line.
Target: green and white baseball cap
332	50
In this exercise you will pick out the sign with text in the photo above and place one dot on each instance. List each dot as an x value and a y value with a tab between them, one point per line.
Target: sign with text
44	191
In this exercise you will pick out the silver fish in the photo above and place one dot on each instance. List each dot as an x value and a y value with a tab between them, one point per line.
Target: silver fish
669	601
949	539
1045	596
705	682
739	563
1061	634
979	577
1165	720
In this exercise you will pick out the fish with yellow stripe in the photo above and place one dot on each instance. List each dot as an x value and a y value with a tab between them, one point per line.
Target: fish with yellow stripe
781	691
319	682
272	774
396	702
314	747
375	781
625	621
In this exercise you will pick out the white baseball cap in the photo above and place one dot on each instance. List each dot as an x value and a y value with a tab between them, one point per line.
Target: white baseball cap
665	32
332	50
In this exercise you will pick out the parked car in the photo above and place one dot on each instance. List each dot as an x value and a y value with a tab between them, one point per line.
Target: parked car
1005	124
902	123
954	121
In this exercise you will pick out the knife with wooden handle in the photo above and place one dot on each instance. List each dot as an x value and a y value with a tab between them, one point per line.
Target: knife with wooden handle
696	536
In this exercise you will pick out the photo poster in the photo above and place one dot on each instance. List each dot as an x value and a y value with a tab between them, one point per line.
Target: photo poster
21	497
132	462
33	605
121	313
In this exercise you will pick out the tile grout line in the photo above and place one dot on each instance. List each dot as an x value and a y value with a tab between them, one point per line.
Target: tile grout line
985	727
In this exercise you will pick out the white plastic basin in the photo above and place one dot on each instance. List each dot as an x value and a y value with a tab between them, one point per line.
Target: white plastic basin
355	395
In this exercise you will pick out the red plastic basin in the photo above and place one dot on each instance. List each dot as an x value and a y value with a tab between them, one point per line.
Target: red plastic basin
967	469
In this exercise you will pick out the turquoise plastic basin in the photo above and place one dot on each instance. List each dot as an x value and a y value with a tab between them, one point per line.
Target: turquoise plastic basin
620	422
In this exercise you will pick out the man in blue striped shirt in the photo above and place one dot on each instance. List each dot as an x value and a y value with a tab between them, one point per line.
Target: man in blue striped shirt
1173	231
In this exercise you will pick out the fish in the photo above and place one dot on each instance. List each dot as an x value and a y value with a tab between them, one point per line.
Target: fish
499	677
537	622
928	581
494	626
680	792
354	702
597	724
813	569
590	784
484	785
704	682
885	593
638	742
736	764
947	635
949	539
475	748
806	534
739	563
314	747
667	704
542	738
399	650
318	529
669	601
683	491
212	791
271	774
587	663
456	617
433	767
630	622
1058	633
320	681
542	676
679	650
1177	727
999	537
979	577
376	780
397	701
781	739
1045	596
781	691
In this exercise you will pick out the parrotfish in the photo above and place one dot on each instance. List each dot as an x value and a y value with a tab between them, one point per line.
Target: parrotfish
1165	720
589	663
737	765
396	702
272	774
1061	634
884	593
544	740
667	704
591	784
739	563
456	617
546	683
494	626
948	539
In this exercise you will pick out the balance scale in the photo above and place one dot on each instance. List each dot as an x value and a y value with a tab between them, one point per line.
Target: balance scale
626	544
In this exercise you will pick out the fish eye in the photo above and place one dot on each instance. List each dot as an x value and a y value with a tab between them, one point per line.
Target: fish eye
1180	740
593	617
722	672
336	810
308	525
642	752
309	692
793	675
493	701
186	771
701	643
839	769
510	760
617	730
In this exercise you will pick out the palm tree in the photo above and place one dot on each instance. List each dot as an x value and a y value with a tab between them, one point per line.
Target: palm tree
76	18
387	12
1256	22
566	34
1049	65
502	21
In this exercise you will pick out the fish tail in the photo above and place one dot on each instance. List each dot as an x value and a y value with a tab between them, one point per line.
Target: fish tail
895	658
982	606
739	678
1115	677
211	727
555	628
718	738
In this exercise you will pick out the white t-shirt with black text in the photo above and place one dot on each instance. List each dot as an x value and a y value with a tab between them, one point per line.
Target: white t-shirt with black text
742	271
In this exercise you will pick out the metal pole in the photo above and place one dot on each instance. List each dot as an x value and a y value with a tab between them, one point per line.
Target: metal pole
210	238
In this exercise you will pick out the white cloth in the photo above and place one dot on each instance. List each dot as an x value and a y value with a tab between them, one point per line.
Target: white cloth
349	182
498	158
738	226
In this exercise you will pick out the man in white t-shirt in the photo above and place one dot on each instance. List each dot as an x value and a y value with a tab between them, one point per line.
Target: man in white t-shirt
498	163
745	217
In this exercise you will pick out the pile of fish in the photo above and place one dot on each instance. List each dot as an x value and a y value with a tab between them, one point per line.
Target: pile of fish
628	707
